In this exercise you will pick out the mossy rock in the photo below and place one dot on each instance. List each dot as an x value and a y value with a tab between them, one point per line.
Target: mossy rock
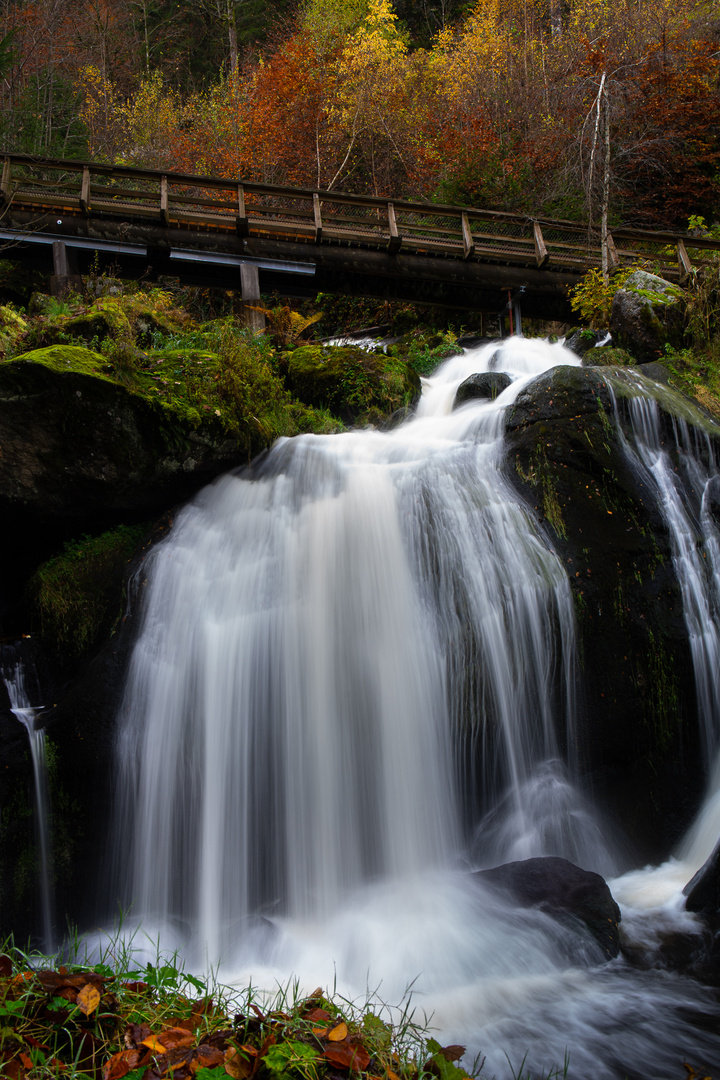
12	326
637	734
78	593
646	315
607	356
356	385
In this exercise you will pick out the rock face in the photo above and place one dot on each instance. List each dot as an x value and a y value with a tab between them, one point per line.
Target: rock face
76	446
702	892
487	384
645	315
636	738
81	453
561	889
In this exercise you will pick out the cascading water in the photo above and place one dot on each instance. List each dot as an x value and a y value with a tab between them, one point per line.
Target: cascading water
13	676
685	494
328	640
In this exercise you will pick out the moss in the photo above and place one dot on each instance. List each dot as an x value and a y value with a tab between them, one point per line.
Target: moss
608	356
78	593
540	474
68	358
354	384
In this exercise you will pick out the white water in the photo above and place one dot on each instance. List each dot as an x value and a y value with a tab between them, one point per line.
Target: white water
652	899
328	641
13	676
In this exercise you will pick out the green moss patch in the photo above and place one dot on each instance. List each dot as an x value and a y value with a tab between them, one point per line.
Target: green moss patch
78	593
354	384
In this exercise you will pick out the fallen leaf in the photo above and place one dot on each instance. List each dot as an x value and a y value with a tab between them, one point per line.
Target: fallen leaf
237	1065
88	999
177	1036
120	1064
350	1056
391	1075
452	1053
206	1057
5	966
154	1044
321	1032
338	1033
315	1016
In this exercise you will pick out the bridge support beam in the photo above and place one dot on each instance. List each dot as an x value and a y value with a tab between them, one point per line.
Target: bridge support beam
250	290
65	277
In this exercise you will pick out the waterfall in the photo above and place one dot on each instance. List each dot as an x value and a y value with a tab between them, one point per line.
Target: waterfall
354	675
13	676
681	466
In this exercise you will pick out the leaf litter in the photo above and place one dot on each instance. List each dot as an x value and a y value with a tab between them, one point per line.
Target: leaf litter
90	1023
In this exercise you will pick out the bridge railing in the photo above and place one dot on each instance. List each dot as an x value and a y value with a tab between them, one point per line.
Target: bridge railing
304	215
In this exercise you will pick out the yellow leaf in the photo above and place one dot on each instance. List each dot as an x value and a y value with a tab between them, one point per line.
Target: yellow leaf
88	999
154	1044
338	1033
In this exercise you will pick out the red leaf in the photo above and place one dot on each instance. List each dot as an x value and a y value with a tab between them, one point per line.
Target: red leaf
120	1065
348	1056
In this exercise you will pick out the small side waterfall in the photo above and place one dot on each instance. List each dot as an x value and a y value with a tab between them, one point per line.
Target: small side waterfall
13	676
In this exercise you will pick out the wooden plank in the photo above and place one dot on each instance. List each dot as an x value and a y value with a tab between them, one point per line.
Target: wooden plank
242	225
686	267
395	238
164	216
468	243
5	182
85	191
317	217
541	252
613	257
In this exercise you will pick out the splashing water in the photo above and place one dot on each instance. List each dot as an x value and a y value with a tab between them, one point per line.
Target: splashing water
348	653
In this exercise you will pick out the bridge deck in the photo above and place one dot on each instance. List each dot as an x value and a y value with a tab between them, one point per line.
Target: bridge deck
541	254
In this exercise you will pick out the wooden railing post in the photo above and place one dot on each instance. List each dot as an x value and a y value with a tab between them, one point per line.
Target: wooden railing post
541	252
85	191
468	242
242	224
686	267
317	217
5	182
164	215
395	238
613	257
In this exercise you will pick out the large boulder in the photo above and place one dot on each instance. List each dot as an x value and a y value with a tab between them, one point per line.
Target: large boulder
81	452
486	385
646	315
354	384
564	891
636	738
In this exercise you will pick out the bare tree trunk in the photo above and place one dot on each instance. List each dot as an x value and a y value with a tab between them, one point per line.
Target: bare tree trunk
232	36
605	201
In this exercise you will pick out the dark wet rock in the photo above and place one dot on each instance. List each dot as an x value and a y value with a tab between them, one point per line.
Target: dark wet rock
656	371
472	341
702	892
561	889
636	739
646	315
581	341
485	385
82	452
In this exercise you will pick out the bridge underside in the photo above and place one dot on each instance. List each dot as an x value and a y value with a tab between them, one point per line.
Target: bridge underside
145	250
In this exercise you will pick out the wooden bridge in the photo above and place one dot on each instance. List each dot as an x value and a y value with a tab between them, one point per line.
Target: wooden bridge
299	241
